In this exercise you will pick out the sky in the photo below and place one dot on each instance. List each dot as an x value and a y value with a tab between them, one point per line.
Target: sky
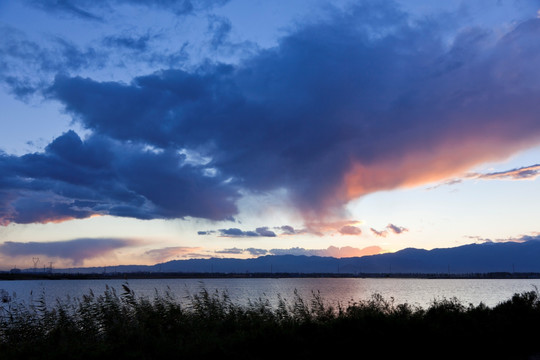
138	132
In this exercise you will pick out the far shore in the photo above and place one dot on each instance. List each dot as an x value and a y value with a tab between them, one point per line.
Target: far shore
59	275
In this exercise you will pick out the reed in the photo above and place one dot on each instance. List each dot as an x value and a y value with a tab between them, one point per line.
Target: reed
209	324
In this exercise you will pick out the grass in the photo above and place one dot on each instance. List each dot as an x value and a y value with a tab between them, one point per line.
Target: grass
211	326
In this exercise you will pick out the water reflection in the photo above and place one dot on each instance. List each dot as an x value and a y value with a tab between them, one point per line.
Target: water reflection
334	291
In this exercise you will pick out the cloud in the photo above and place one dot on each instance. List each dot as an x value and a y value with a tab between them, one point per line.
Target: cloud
530	172
350	230
94	10
134	43
523	173
396	229
219	28
235	232
534	236
167	253
398	109
65	7
28	66
220	44
478	239
382	233
256	252
343	227
449	182
74	179
389	228
263	231
288	230
23	54
332	251
76	250
367	99
231	251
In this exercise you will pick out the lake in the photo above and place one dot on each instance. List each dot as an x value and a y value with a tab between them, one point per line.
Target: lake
420	292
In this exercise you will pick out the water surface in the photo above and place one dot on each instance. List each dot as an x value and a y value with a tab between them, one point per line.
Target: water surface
419	292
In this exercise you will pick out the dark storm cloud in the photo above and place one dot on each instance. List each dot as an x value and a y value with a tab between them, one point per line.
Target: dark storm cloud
73	178
369	99
76	250
339	109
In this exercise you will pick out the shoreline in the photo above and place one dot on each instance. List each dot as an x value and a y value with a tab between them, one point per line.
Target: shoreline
200	275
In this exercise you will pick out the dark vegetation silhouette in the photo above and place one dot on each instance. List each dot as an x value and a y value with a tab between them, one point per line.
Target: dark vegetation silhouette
209	325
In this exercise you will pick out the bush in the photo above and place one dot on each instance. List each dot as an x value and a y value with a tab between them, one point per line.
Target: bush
130	327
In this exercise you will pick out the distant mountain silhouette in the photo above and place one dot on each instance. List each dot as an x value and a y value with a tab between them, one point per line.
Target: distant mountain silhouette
473	258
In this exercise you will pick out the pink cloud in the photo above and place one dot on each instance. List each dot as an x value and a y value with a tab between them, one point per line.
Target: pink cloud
350	230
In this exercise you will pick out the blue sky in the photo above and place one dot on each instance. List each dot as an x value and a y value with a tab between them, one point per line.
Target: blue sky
138	132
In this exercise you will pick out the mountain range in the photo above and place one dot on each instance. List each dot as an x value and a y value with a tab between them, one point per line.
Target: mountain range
520	257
